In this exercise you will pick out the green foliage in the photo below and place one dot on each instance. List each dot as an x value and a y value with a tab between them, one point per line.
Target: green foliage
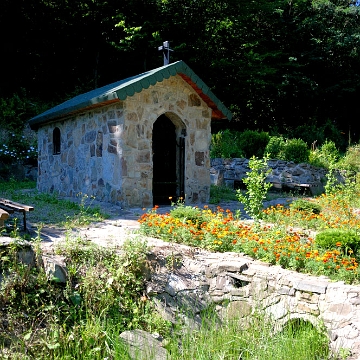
307	206
253	143
295	150
351	160
224	144
275	147
331	180
221	193
333	238
104	296
296	70
235	144
256	187
187	213
316	135
324	156
16	148
15	110
256	340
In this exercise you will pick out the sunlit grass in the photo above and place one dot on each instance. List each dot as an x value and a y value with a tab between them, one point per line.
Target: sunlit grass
251	338
50	209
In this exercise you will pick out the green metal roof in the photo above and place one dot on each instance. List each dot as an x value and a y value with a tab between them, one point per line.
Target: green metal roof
122	89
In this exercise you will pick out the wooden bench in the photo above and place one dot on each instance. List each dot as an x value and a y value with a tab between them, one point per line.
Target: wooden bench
9	207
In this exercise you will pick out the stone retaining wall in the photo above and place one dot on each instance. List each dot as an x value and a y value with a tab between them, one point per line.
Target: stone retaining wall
184	281
284	174
191	280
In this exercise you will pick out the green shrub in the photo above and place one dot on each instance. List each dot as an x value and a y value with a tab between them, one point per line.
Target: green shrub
274	147
185	213
295	150
351	160
306	206
319	134
256	187
15	147
324	156
253	143
332	238
224	144
329	150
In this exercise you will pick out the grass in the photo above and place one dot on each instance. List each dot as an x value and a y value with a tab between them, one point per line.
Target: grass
221	193
253	339
82	319
50	209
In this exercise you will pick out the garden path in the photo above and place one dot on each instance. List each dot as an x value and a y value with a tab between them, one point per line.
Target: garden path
123	223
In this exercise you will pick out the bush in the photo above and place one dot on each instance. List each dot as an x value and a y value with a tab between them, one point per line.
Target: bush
185	213
274	147
256	187
351	160
332	238
306	206
253	143
295	150
325	156
15	148
319	134
224	144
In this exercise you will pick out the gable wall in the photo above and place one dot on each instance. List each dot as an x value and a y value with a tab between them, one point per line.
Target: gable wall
107	152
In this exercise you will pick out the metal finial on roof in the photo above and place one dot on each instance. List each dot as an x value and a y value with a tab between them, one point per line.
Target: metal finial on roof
165	48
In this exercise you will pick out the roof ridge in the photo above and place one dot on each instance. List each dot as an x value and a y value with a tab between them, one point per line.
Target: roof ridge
120	90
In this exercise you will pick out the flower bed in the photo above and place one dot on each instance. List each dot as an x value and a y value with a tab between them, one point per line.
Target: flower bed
277	239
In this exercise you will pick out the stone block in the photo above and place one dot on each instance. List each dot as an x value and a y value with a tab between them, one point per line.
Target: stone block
55	267
278	310
311	285
143	345
238	309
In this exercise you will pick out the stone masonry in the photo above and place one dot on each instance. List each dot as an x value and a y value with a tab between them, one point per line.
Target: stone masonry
283	175
107	152
183	281
187	280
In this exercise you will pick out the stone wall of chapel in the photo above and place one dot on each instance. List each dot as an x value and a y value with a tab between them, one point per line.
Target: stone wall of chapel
107	153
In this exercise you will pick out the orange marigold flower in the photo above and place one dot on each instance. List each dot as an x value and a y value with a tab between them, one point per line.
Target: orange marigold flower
338	244
234	242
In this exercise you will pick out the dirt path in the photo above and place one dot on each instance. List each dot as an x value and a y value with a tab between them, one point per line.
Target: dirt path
121	224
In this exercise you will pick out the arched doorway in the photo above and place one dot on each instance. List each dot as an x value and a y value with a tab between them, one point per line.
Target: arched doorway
168	148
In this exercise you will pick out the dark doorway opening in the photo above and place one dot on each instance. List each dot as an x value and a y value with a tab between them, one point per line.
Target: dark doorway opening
166	180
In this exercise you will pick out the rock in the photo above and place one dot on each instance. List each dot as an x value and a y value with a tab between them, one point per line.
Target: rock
144	346
55	267
231	171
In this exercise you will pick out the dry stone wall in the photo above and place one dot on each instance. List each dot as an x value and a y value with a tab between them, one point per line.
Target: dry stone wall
284	174
183	281
187	281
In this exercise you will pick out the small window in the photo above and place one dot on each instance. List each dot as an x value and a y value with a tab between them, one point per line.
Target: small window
56	141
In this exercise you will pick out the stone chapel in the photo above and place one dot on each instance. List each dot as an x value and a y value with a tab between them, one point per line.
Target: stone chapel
136	142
